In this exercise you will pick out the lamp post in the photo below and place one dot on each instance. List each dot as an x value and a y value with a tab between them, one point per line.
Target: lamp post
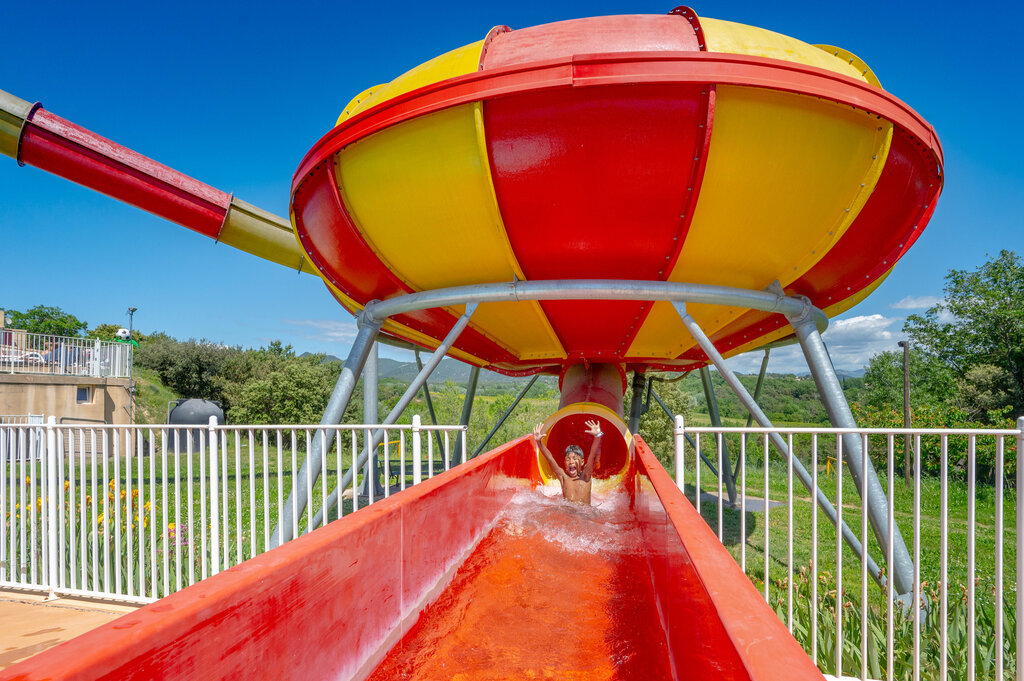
907	472
131	367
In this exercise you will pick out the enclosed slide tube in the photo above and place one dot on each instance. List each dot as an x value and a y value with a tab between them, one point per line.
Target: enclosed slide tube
36	137
333	603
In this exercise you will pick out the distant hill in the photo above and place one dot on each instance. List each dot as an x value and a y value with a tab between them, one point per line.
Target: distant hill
448	370
453	370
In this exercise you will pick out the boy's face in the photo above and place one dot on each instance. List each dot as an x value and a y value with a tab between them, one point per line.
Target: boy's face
573	464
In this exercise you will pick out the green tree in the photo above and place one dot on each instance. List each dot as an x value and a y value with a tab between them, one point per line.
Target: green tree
295	392
48	320
191	369
932	382
980	322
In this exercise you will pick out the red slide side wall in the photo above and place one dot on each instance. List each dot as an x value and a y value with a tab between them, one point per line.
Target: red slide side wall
321	607
716	623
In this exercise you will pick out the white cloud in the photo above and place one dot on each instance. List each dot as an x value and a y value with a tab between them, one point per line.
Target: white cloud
916	303
851	343
325	330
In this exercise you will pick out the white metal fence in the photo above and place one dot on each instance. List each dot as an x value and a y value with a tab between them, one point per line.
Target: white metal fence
6	419
961	518
22	352
133	513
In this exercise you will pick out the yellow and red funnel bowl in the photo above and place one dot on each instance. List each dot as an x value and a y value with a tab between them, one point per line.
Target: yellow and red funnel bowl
639	147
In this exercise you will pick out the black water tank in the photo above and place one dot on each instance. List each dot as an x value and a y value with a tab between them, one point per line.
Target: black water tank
192	412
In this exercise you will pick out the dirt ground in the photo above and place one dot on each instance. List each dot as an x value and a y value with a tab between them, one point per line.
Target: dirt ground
31	624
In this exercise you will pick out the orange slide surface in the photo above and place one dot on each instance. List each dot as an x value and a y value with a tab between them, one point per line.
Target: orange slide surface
478	573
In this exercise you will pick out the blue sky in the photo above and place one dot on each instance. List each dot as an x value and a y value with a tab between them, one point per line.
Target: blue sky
235	94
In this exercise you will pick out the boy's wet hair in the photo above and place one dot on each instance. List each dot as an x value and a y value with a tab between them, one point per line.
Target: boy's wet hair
574	449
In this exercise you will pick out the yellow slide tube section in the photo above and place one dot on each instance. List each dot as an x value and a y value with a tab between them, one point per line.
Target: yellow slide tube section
735	38
264	235
421	195
458	62
804	167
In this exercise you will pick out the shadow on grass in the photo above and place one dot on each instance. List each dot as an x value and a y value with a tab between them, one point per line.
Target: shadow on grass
732	525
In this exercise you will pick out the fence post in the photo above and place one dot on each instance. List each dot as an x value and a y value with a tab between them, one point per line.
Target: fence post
52	571
417	451
1020	549
680	434
215	518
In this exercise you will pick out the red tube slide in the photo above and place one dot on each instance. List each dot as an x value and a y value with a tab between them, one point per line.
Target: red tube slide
478	573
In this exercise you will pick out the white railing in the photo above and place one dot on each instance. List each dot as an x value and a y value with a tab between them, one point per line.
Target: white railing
22	352
964	616
132	513
11	419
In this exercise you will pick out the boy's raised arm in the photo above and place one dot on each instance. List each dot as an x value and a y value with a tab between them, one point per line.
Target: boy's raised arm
593	429
538	434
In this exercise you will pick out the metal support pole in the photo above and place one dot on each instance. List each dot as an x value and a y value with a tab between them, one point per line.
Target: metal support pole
636	403
430	403
716	421
400	407
757	398
371	385
741	392
467	412
507	413
689	438
323	439
839	414
908	470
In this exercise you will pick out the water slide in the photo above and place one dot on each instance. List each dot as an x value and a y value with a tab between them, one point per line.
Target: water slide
734	164
479	573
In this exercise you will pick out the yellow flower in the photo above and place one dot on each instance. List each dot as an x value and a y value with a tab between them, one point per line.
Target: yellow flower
66	485
135	494
170	526
99	520
28	480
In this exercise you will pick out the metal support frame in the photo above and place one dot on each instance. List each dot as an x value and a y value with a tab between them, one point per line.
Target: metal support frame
805	317
636	402
429	400
725	463
757	398
839	414
689	438
508	412
467	411
741	392
399	408
323	439
371	393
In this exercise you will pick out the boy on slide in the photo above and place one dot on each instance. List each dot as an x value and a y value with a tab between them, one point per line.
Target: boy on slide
575	478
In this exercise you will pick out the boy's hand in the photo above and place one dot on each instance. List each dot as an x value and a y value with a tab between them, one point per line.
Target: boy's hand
538	432
594	428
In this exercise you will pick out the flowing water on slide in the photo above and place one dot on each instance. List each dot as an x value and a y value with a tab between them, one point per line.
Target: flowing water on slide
554	591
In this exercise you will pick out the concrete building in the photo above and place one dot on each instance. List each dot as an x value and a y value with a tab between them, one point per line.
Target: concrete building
77	380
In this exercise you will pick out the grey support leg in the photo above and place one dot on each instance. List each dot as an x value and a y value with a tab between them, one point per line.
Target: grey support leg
467	412
508	412
323	439
716	420
371	391
839	414
400	407
741	392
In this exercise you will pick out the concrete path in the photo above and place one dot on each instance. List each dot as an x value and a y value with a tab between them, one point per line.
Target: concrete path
31	625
